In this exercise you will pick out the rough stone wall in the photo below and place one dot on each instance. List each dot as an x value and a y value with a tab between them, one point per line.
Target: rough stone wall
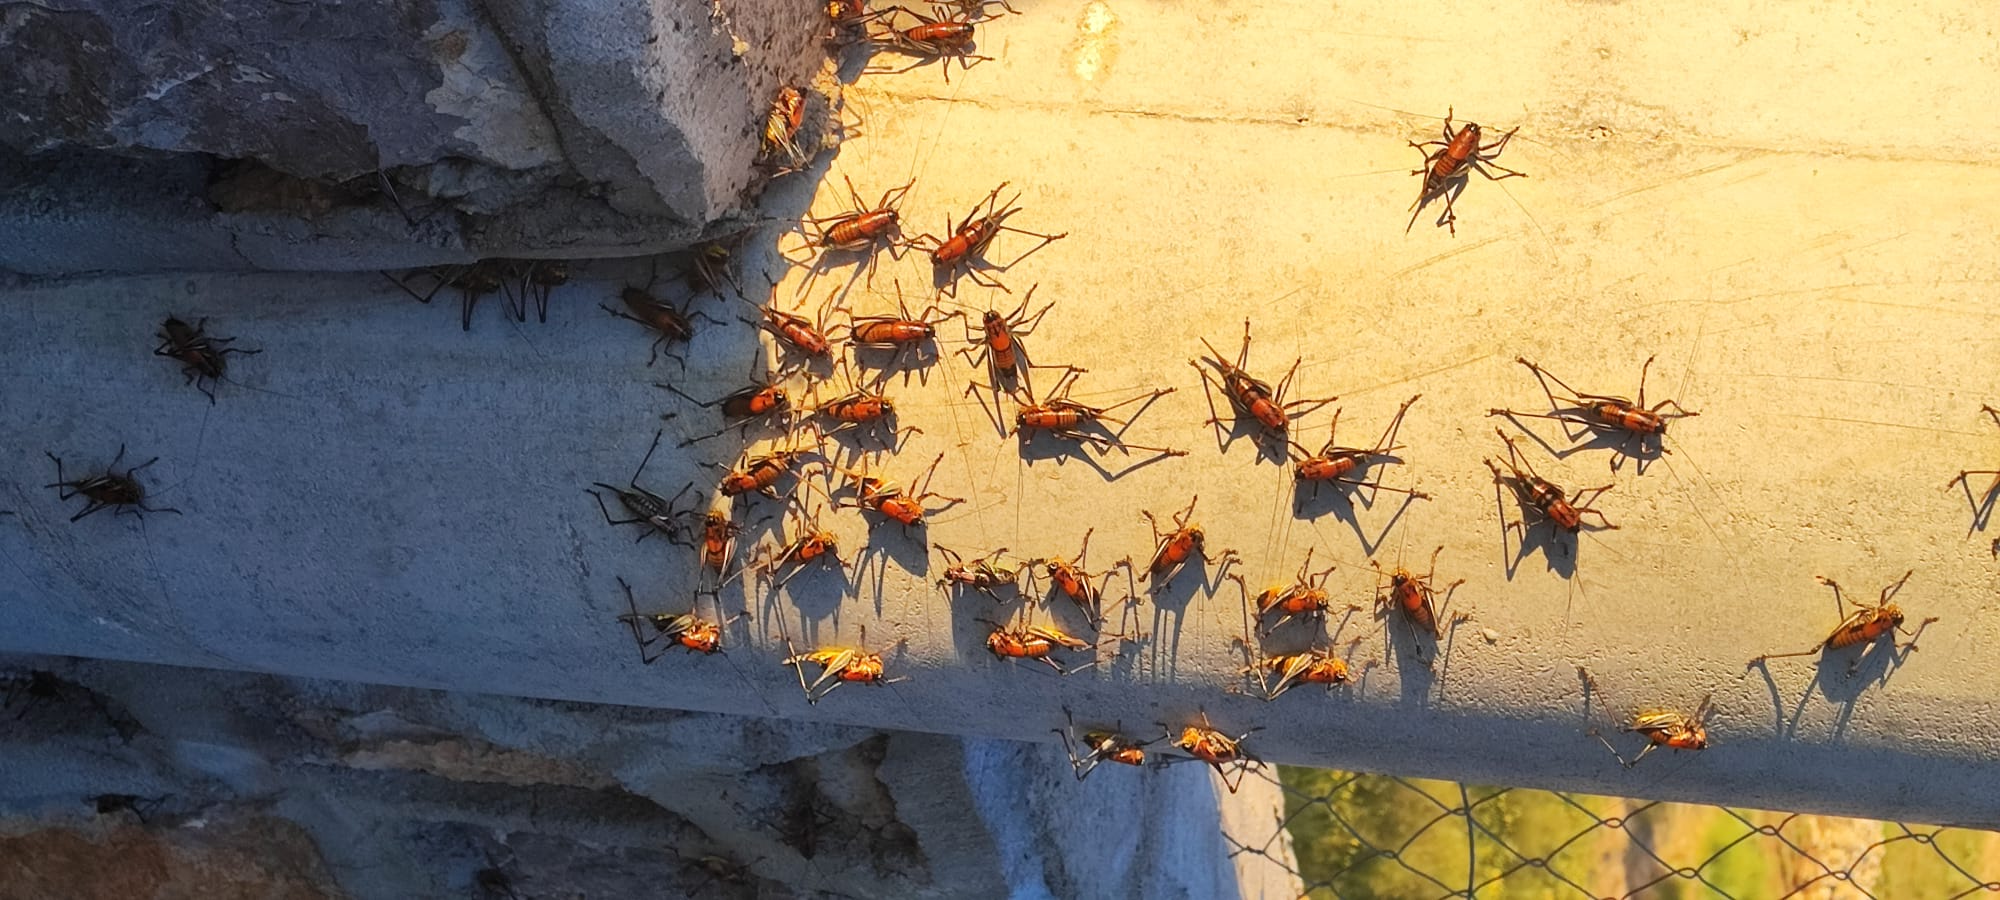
121	780
376	134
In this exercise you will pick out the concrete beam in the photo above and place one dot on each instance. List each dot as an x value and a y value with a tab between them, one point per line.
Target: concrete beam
399	502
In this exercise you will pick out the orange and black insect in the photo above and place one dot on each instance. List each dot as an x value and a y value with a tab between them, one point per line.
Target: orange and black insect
473	281
1419	602
1100	746
1306	597
203	359
782	122
110	489
761	474
1173	549
1038	642
1294	669
861	409
863	230
1542	496
966	247
838	666
673	325
997	341
688	631
1866	625
814	544
900	334
930	40
1603	413
1661	727
1336	464
1073	579
1983	504
1059	416
983	574
657	513
1202	742
892	501
718	540
1447	169
796	334
1251	397
761	400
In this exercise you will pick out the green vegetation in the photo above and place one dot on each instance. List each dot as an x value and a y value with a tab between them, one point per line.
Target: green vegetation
1359	837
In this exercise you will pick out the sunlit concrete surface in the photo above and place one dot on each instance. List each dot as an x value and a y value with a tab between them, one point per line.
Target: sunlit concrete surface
1792	209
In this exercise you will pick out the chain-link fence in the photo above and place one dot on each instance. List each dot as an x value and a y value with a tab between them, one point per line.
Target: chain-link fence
1349	835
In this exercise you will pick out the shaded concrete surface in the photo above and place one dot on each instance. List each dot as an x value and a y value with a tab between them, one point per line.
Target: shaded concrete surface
381	498
374	135
126	780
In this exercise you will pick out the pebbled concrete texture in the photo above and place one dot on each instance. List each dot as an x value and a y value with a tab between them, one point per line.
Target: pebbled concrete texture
262	786
381	498
234	136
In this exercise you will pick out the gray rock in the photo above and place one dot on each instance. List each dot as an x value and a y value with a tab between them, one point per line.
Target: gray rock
367	134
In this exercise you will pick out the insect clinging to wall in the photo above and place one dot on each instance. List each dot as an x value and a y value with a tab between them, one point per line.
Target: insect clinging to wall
657	513
798	337
1059	416
930	40
1073	580
110	489
861	410
1313	666
1660	726
1306	597
203	359
1335	463
966	247
1222	752
864	230
900	334
1173	549
1604	413
1543	496
996	342
1982	505
838	666
982	574
1038	642
1419	602
1251	397
473	281
892	501
671	324
688	631
814	544
782	122
761	474
1866	625
1447	169
761	400
1100	746
537	280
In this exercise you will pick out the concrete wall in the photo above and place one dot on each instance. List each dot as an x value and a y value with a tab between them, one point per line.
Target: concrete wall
385	499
